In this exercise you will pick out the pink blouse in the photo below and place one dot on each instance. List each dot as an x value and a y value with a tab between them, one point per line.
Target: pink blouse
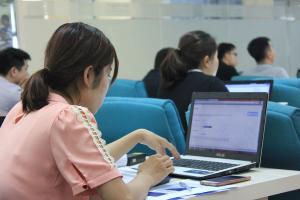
53	153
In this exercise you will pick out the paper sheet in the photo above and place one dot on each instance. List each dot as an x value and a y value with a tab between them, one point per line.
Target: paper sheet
177	189
122	162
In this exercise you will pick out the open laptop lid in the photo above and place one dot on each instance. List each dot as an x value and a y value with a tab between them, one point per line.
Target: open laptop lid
250	86
253	105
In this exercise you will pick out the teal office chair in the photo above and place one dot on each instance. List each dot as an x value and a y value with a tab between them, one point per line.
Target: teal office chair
187	115
119	116
294	82
285	93
127	88
246	78
281	148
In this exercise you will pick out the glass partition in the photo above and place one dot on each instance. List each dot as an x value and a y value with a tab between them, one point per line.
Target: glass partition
8	26
139	28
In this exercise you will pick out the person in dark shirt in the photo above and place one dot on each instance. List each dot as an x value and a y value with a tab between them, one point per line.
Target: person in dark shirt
190	68
152	78
227	61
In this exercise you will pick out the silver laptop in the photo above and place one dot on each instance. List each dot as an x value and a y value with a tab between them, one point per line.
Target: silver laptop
250	86
225	134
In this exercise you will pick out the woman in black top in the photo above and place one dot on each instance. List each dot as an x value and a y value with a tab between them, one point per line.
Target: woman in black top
227	61
190	68
151	80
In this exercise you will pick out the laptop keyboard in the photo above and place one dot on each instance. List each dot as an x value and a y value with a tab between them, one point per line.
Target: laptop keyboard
201	164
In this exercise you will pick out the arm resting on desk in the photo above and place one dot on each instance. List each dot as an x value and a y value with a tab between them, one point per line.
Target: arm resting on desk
121	146
117	189
151	172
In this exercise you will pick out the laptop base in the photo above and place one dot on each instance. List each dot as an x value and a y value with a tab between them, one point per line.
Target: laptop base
214	175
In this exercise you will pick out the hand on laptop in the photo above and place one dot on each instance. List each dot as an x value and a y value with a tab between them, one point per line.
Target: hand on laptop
156	168
157	143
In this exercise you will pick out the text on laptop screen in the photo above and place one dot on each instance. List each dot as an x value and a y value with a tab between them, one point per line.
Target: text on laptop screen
223	124
249	87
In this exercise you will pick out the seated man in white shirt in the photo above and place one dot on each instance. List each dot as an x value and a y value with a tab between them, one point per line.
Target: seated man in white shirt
261	50
13	75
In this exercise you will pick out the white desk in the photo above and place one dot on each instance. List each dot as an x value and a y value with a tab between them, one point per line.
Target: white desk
264	182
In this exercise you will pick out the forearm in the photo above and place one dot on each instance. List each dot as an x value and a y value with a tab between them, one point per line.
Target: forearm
121	146
151	172
116	189
139	186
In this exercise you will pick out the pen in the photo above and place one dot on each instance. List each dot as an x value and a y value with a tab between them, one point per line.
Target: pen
184	185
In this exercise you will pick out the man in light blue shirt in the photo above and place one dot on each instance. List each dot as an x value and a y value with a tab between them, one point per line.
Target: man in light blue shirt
13	75
261	50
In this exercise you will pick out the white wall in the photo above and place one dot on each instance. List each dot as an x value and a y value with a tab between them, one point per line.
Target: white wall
137	40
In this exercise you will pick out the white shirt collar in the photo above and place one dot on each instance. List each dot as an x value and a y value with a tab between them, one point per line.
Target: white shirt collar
194	70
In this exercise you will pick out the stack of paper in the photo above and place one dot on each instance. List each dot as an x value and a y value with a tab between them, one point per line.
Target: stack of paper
182	189
177	189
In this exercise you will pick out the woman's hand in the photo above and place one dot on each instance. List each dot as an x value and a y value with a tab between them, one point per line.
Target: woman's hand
156	143
150	173
156	168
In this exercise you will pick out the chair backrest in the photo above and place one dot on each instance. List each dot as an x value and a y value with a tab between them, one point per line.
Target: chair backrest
294	82
187	115
127	88
285	93
281	148
119	115
245	78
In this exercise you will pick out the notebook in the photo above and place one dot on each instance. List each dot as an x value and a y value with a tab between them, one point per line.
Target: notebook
250	86
225	134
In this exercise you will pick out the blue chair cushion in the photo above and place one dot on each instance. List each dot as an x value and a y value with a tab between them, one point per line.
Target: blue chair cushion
119	116
281	141
285	93
127	88
245	78
294	82
292	112
281	148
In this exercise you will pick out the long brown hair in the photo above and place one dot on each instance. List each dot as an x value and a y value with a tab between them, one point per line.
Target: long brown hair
72	48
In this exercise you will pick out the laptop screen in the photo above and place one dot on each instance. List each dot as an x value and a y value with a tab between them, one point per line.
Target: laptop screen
249	86
252	87
231	125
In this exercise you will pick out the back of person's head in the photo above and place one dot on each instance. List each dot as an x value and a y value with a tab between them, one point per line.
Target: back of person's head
224	48
5	19
258	48
11	57
227	54
160	56
72	48
193	47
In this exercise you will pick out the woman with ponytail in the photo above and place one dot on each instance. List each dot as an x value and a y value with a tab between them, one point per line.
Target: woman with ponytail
190	68
51	147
